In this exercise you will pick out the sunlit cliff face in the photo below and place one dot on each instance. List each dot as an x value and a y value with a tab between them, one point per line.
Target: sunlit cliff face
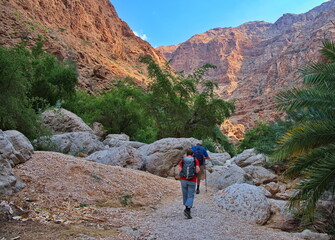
257	59
88	32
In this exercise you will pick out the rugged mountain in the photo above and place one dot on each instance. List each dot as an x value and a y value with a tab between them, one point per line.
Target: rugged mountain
257	59
89	32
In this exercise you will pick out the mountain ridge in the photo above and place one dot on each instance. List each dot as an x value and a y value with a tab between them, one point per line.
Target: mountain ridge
256	60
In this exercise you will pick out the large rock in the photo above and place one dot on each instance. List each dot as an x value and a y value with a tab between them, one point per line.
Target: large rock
70	143
60	120
246	200
98	129
20	143
124	156
162	156
8	151
281	217
309	235
120	137
224	176
112	143
260	174
9	157
249	157
217	159
7	178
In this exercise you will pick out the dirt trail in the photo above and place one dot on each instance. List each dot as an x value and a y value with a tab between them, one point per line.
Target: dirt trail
208	222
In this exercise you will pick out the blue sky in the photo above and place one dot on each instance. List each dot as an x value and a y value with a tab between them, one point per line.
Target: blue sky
170	22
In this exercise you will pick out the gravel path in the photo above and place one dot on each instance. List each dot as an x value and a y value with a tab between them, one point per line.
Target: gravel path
208	222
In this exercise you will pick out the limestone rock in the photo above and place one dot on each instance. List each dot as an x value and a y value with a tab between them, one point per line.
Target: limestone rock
120	137
70	143
272	187
9	158
260	174
247	201
117	143
8	151
224	176
59	120
20	143
123	156
98	129
281	217
217	159
249	157
309	235
162	156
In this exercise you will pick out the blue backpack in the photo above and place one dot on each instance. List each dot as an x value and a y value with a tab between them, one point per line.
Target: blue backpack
198	155
188	168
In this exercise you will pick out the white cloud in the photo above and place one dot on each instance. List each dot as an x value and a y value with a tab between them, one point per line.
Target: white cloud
143	36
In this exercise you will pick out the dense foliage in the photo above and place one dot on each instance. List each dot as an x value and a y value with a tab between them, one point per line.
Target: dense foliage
265	136
30	81
179	108
171	106
309	146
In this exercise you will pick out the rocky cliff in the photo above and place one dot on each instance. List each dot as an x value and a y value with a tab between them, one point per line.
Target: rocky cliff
257	59
89	32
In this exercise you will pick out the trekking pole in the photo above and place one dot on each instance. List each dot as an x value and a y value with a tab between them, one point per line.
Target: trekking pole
205	177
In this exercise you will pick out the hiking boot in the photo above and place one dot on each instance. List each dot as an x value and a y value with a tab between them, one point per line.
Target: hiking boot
198	191
187	213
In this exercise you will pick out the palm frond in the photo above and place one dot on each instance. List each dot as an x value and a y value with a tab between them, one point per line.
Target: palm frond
305	136
320	178
302	98
305	161
328	49
319	73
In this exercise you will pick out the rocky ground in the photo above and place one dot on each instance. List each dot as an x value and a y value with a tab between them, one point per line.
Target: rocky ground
70	198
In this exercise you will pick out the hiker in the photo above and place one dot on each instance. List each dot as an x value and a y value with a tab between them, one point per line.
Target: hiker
200	153
188	168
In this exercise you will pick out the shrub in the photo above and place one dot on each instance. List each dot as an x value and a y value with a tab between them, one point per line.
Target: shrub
31	80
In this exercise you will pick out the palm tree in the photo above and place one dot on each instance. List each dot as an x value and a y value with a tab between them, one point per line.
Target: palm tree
309	146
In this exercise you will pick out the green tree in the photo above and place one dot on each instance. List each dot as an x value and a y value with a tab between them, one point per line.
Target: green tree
123	110
309	146
16	111
177	105
51	80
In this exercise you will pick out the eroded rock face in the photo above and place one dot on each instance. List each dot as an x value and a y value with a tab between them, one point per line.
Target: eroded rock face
248	201
257	59
89	32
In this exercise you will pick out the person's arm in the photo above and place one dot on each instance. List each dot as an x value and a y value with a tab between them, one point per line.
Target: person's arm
180	166
205	153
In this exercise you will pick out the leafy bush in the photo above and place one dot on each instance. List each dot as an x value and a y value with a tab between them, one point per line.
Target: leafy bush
265	136
30	80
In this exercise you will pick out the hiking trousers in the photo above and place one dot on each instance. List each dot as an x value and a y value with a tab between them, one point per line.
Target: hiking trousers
188	189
